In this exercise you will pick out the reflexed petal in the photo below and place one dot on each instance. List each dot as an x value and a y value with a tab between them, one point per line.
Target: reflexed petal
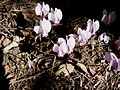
96	26
118	69
111	17
107	56
63	47
101	37
36	29
117	43
38	9
51	17
104	19
45	9
58	14
114	61
46	25
71	44
55	48
89	25
61	40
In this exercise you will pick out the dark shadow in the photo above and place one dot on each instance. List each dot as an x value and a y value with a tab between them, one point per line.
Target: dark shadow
42	82
4	82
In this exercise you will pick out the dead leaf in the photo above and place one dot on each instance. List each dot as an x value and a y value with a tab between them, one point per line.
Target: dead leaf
66	69
1	39
83	67
13	44
6	41
92	70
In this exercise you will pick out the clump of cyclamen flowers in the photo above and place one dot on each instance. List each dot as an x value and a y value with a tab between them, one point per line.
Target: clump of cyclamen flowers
84	35
66	46
113	60
47	18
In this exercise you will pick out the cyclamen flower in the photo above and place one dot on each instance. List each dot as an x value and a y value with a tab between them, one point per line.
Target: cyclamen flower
61	47
64	46
55	16
117	43
108	18
104	38
83	36
44	28
92	26
42	10
113	60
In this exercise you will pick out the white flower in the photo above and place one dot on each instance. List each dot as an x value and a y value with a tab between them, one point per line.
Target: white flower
55	16
44	28
38	9
103	37
92	26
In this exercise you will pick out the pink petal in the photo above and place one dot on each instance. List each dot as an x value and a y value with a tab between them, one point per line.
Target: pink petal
45	9
58	14
96	26
111	17
114	61
118	69
46	26
51	17
107	56
63	47
104	19
36	29
89	25
55	48
105	16
71	44
61	40
82	41
117	42
38	9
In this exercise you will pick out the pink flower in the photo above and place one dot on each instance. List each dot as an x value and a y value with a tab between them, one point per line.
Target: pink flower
42	10
44	28
83	36
92	26
38	9
55	16
108	18
64	46
61	47
103	37
113	60
117	42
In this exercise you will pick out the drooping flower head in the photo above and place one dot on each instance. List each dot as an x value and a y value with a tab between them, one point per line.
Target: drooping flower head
83	36
55	16
92	26
113	60
108	18
42	9
44	28
104	38
64	46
